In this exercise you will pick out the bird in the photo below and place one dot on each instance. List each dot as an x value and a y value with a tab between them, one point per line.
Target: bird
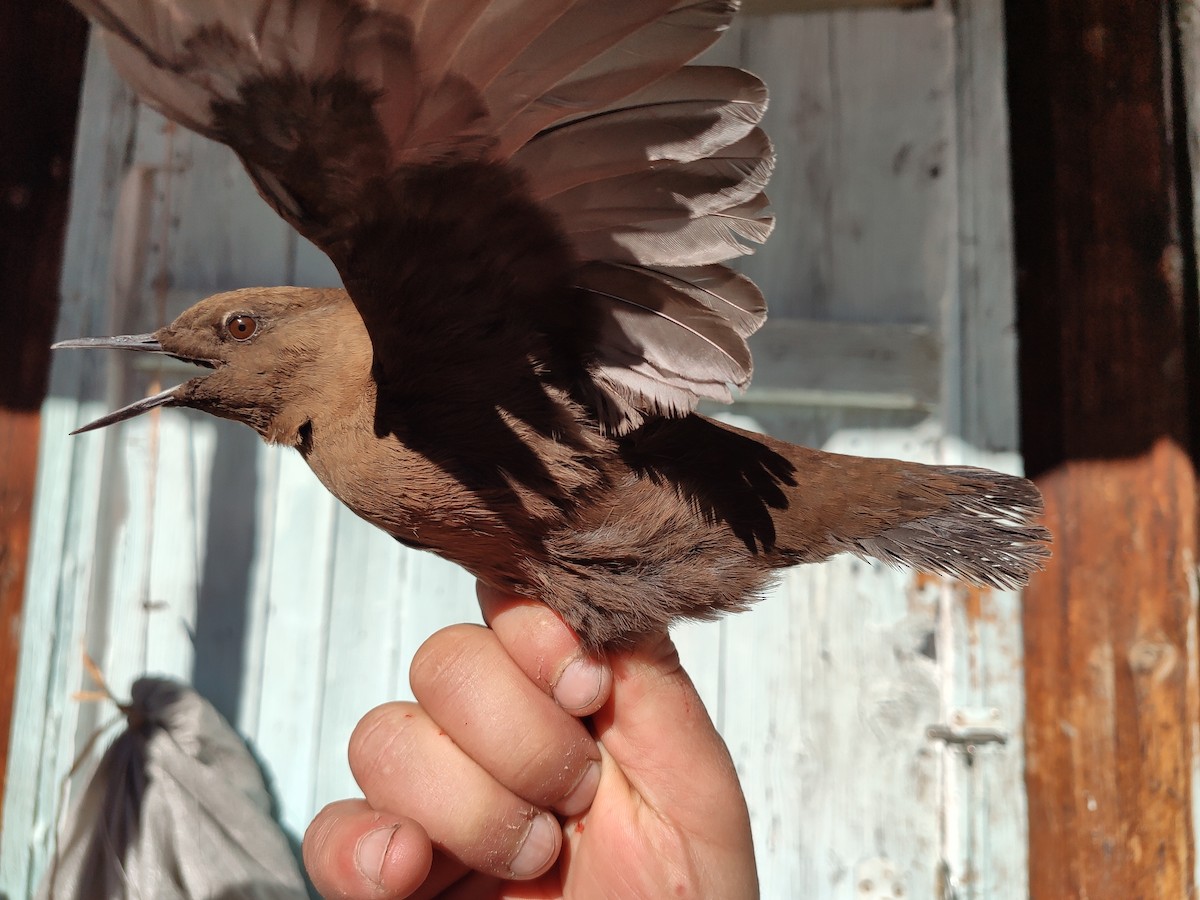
532	205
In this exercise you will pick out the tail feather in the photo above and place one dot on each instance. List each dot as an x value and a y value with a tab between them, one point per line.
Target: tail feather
972	524
977	525
790	504
713	511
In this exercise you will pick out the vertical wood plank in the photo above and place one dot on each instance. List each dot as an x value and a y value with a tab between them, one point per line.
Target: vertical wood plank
979	646
18	445
1186	100
67	497
295	648
41	70
366	592
1107	301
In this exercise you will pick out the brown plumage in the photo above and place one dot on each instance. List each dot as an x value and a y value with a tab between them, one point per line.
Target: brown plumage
529	202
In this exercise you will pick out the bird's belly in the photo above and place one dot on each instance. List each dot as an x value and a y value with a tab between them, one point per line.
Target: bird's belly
423	507
630	556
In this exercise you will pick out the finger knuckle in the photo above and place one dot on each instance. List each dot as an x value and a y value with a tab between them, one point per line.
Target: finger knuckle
380	742
447	658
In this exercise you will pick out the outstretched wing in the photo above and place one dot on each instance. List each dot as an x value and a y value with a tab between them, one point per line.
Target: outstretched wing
543	180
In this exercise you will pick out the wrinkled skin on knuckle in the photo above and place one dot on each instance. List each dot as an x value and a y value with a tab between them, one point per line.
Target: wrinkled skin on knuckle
379	742
445	661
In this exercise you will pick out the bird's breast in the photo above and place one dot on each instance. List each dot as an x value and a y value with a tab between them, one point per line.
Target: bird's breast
472	514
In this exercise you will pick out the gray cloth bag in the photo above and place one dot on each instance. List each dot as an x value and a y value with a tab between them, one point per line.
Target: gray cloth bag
176	810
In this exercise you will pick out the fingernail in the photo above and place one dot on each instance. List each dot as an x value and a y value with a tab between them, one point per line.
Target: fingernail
371	852
582	794
579	684
540	844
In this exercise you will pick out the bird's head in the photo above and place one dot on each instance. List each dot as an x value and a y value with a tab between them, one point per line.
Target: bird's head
275	353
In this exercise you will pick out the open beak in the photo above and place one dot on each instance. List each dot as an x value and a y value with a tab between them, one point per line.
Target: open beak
146	343
164	398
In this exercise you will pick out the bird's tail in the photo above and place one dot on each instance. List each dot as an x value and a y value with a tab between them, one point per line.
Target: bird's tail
969	523
791	504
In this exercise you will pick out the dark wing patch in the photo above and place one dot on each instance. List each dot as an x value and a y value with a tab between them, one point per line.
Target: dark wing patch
318	143
567	127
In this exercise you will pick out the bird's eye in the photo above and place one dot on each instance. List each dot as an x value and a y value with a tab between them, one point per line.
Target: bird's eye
241	328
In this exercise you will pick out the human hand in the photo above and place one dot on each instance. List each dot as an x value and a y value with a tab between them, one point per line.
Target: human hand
494	784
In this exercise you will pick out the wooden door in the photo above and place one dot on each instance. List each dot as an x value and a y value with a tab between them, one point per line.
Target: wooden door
178	544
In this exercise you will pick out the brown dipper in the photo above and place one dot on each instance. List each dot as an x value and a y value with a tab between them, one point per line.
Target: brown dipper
529	203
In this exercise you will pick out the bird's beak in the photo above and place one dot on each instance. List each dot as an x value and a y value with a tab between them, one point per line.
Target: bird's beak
164	398
146	343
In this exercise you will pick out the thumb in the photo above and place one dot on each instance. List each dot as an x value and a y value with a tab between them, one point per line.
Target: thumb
657	731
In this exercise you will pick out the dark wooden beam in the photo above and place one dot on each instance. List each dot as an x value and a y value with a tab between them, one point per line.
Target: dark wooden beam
1107	326
41	68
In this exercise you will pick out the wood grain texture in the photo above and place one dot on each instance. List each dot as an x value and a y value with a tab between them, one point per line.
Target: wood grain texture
1108	334
830	683
41	68
18	447
1111	681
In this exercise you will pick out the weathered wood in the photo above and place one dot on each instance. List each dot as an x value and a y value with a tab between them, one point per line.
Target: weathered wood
41	68
979	646
862	188
834	729
821	363
18	448
1107	300
61	561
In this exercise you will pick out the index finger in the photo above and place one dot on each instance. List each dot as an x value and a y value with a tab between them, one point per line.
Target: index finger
547	650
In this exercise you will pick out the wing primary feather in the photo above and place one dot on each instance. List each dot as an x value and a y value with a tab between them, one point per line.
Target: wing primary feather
727	293
670	239
668	325
638	43
501	34
627	140
678	323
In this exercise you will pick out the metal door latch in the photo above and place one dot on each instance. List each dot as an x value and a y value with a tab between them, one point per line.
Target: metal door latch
968	728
